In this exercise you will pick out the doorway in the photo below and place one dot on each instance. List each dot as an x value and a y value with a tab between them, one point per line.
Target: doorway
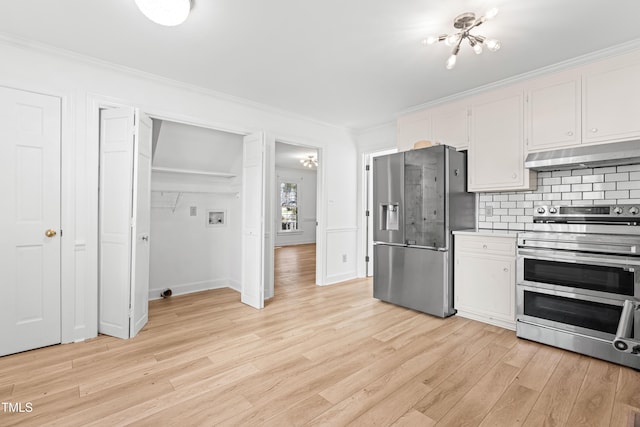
295	218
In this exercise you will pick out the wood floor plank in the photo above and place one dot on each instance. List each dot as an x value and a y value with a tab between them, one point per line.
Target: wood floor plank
414	418
594	403
559	394
329	355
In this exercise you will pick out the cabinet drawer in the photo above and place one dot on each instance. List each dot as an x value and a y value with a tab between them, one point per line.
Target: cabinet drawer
486	244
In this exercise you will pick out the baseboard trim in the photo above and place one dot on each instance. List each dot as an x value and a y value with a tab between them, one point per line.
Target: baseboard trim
188	288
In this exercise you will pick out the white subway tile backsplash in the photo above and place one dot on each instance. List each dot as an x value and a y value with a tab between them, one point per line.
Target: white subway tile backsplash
593	195
582	171
593	178
624	176
604	186
551	181
628	185
623	194
608	169
524	204
533	196
579	187
571	196
629	168
572	180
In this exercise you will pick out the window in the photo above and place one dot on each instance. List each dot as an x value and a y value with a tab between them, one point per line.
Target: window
288	206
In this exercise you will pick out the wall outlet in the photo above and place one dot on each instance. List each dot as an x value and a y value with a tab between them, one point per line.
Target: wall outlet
344	257
193	211
488	210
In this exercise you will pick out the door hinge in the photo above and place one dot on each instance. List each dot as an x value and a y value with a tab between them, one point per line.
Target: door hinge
130	312
367	167
366	213
366	258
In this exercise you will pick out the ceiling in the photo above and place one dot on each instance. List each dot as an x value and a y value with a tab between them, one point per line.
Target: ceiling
288	156
351	63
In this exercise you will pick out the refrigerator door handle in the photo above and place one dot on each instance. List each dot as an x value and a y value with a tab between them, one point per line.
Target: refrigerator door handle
389	244
433	248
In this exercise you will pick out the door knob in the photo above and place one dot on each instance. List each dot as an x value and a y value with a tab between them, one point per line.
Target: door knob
50	233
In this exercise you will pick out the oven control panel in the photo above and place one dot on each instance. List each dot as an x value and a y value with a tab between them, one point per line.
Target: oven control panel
587	214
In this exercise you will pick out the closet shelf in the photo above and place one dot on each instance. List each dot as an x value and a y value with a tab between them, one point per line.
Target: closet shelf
193	172
172	203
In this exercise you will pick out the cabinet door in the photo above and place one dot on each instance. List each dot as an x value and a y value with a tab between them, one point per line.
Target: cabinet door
412	128
485	285
450	126
611	100
496	147
553	113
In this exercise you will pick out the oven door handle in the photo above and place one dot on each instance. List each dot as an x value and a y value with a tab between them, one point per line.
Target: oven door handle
625	264
580	246
623	341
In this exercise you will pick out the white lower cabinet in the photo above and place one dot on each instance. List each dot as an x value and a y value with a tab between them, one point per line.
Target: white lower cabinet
485	278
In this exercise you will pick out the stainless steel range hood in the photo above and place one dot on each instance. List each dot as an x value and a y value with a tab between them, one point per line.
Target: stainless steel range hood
614	154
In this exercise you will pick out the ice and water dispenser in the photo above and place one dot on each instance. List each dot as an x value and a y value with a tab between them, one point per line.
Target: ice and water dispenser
389	216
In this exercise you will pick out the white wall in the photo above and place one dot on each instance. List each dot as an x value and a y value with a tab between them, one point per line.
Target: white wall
187	255
84	85
306	180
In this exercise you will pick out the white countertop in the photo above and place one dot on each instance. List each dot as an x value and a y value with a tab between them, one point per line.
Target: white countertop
487	232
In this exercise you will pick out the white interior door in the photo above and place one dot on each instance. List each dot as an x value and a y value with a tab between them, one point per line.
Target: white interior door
253	241
142	223
125	173
29	220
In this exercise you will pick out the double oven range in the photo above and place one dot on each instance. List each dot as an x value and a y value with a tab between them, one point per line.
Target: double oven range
578	281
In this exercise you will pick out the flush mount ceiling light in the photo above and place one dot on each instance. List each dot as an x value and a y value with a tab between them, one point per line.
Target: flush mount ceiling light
165	12
465	23
309	162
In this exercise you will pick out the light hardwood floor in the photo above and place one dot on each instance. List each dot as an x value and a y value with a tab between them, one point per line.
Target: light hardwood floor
314	356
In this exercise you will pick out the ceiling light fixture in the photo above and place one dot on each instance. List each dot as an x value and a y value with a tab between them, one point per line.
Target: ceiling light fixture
465	23
165	12
309	162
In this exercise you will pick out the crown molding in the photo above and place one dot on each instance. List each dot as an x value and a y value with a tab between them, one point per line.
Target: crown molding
616	50
15	41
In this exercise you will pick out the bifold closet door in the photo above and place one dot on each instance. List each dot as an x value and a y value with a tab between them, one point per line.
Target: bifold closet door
29	220
125	173
253	218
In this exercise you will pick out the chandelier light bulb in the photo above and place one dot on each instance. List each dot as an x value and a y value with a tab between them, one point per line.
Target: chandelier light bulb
477	48
491	13
493	45
451	62
430	40
452	39
165	12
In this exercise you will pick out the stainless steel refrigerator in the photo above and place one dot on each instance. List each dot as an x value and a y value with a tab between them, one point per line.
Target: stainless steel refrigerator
419	198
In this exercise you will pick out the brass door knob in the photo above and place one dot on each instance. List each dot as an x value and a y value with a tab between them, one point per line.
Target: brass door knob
50	233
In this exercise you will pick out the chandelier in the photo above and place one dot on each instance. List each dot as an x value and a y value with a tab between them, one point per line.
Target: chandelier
309	162
465	23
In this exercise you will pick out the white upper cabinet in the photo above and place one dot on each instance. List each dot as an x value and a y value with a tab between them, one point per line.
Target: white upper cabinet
412	128
553	112
496	146
450	125
611	99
